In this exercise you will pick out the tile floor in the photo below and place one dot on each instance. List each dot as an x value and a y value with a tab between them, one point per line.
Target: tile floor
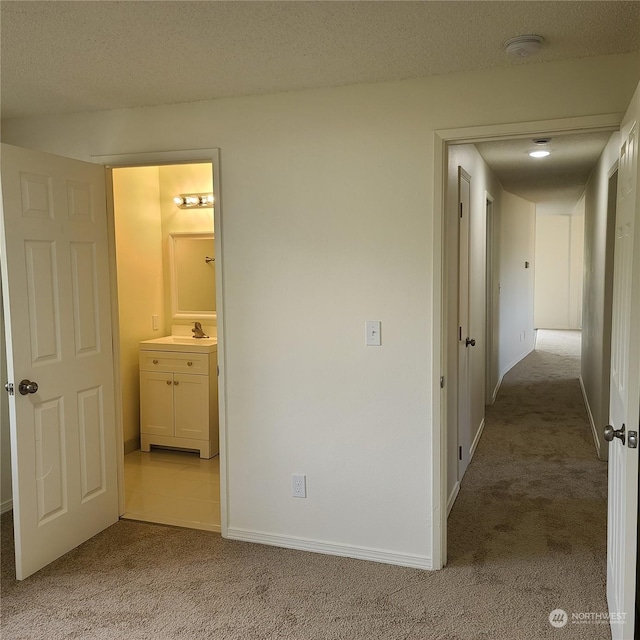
172	487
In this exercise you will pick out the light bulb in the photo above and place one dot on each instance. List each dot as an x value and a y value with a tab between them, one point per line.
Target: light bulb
178	200
539	154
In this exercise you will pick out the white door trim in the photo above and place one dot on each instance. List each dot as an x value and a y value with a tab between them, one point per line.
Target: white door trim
442	139
154	158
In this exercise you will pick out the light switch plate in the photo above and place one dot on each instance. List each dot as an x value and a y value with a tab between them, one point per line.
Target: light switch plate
372	329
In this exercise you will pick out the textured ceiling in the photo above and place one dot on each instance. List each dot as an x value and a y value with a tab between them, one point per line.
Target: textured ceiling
554	183
65	57
61	57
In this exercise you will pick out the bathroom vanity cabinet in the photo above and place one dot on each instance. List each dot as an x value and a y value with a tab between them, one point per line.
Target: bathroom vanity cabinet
179	394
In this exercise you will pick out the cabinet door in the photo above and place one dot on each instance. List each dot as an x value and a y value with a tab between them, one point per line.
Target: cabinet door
191	401
156	403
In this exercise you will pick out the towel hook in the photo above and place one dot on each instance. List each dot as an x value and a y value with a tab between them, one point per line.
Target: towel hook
207	259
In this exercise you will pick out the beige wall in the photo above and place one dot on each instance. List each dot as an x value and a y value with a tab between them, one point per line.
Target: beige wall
517	246
327	200
174	180
140	283
559	270
576	266
598	286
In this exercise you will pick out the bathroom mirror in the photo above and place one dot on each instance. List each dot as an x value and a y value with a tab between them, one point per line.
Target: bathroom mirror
192	276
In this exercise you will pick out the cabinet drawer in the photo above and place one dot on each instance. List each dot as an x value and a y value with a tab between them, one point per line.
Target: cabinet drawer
174	361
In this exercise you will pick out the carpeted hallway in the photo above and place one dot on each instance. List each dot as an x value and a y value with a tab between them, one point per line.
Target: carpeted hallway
527	535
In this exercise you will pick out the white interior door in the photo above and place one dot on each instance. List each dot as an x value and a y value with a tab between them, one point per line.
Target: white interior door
625	388
464	340
55	275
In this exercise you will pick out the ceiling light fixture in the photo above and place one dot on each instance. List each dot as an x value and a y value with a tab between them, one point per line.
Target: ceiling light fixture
540	150
542	153
524	46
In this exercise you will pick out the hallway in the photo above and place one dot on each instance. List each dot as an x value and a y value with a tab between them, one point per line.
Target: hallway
530	519
527	535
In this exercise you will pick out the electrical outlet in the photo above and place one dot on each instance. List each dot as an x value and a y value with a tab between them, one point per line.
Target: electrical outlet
155	322
299	485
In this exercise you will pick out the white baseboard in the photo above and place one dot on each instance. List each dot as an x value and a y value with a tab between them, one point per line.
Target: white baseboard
452	498
494	395
5	506
474	444
520	358
330	548
600	451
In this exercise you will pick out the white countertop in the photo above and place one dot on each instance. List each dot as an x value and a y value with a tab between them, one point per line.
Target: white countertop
185	344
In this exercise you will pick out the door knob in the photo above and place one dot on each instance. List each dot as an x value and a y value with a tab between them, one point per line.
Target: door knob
26	386
470	341
610	433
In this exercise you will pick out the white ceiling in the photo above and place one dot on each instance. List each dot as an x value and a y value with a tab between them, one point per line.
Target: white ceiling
61	57
554	183
72	56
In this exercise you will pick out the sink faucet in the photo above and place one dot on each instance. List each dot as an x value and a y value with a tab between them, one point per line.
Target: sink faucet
197	331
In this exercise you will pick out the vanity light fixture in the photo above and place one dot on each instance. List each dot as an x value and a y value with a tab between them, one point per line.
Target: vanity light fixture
194	200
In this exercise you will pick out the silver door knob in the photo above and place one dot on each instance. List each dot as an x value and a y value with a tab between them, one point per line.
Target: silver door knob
610	433
26	386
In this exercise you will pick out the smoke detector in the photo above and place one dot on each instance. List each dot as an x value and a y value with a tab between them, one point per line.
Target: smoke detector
524	46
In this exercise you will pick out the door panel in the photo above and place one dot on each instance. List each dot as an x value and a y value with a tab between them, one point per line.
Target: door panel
625	388
93	463
44	316
56	297
191	399
52	487
156	403
85	298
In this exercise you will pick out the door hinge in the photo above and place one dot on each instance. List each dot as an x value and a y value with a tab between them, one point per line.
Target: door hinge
459	333
461	209
459	453
9	388
442	382
218	368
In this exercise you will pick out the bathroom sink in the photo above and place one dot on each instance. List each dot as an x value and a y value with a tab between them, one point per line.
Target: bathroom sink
180	343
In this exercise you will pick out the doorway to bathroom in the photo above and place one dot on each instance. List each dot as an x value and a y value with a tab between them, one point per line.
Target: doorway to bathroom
165	263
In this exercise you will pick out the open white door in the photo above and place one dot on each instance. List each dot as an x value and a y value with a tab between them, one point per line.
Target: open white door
55	276
625	388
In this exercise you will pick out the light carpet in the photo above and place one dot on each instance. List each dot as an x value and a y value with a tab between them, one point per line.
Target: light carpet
527	535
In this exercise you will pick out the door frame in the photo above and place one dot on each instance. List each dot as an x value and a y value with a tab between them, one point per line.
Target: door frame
158	158
440	295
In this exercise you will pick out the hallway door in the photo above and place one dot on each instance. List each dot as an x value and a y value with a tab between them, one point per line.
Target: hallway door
464	374
56	297
625	388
